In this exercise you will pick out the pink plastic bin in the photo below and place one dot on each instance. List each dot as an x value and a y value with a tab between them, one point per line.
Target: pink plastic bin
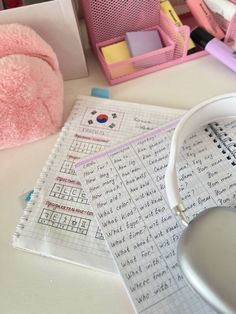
107	22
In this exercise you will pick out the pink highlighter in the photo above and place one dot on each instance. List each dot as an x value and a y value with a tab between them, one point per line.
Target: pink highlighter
205	17
215	47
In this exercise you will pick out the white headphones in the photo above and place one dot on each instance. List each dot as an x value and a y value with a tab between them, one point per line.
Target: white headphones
207	247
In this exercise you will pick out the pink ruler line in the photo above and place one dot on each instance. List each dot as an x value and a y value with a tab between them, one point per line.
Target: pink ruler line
127	144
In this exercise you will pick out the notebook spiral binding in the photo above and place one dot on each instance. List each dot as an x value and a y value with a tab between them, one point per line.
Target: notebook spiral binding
44	174
223	141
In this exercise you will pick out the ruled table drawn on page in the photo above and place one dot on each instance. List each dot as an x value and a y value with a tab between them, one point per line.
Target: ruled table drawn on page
59	221
125	187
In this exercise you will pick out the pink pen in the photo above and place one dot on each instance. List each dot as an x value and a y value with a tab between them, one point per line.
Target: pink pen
205	17
215	47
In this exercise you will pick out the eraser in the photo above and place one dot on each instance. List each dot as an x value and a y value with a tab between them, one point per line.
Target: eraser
100	92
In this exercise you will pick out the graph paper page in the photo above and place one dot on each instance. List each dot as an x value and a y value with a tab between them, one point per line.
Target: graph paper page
125	186
58	222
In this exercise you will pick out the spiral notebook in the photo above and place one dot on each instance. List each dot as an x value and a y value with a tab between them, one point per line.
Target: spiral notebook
125	187
58	221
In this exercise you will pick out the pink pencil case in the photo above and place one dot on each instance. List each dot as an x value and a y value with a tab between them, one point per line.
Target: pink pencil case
108	21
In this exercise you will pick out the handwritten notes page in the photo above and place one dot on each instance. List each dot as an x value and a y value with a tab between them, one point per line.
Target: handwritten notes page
58	222
125	187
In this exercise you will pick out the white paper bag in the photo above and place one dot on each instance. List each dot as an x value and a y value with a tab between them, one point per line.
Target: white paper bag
57	23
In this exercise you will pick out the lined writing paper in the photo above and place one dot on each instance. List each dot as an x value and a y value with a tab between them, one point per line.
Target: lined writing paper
125	187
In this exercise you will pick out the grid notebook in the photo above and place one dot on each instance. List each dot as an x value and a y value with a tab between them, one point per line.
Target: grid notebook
58	221
125	187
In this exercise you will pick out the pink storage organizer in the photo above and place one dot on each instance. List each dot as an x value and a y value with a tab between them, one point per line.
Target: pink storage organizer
107	22
156	57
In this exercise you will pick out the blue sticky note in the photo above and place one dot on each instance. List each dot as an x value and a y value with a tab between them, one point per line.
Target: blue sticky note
28	196
25	198
100	92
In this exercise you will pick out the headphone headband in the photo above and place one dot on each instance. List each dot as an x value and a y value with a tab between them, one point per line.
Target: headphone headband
206	112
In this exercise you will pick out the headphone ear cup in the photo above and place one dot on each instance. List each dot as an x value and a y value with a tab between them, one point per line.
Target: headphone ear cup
31	100
206	256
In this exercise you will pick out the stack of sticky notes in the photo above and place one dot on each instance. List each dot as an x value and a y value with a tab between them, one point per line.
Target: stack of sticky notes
135	44
115	53
142	42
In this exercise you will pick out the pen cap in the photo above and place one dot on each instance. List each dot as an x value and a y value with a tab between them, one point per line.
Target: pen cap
201	37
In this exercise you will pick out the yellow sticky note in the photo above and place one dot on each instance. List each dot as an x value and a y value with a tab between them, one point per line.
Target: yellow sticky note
115	53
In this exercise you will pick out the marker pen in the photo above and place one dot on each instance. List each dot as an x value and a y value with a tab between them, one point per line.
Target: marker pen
205	17
215	47
222	7
169	11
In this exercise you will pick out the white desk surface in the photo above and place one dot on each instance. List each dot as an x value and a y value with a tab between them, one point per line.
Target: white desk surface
31	284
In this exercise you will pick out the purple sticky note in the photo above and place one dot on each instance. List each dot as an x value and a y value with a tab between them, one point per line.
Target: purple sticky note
142	42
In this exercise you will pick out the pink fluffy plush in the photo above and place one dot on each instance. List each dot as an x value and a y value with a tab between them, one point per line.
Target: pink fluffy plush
31	87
